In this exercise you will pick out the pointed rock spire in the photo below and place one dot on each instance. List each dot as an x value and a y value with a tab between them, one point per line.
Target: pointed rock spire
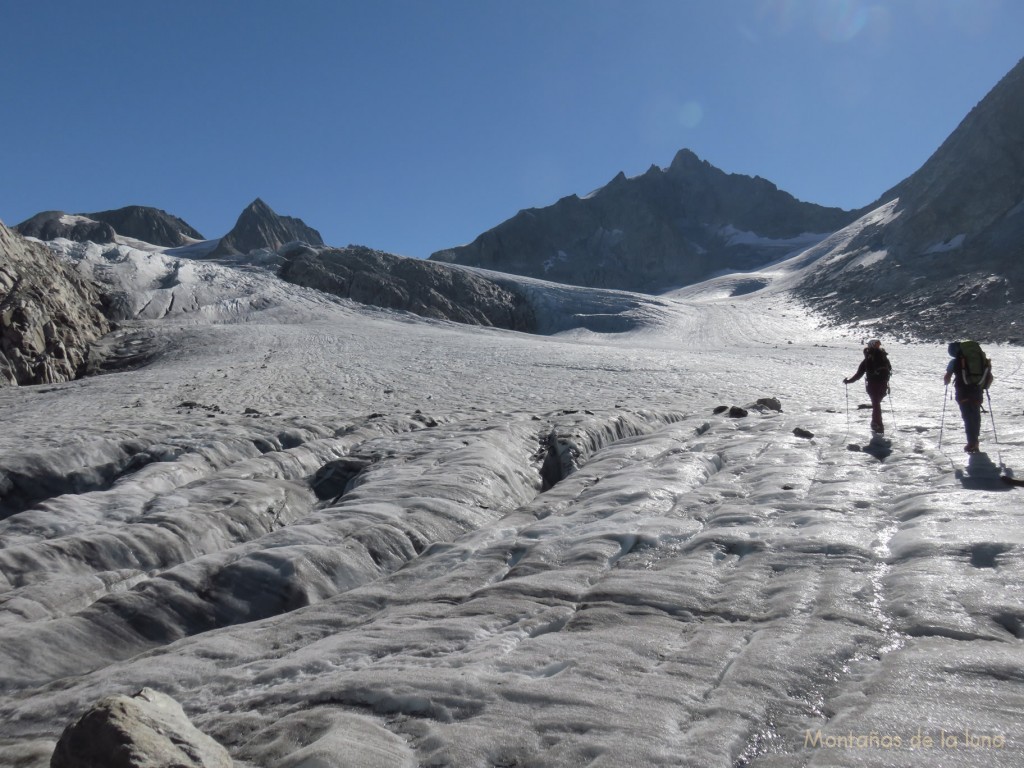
258	226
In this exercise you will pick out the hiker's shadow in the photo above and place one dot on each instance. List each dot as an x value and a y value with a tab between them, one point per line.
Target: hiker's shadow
981	474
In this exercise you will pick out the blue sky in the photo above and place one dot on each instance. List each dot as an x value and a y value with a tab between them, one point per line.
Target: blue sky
415	125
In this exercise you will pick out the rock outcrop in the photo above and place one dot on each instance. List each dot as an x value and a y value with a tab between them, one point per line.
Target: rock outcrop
151	225
147	730
396	282
661	230
49	315
942	256
259	227
51	225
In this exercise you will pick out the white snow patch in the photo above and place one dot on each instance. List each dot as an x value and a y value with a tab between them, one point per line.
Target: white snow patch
949	245
868	258
71	220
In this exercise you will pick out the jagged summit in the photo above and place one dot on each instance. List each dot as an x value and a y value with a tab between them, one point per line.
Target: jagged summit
653	232
258	226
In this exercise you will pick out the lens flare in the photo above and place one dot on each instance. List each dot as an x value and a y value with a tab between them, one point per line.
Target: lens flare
690	114
840	21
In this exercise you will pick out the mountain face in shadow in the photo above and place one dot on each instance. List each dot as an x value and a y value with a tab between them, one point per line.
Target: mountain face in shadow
139	222
259	226
657	231
151	225
946	258
396	282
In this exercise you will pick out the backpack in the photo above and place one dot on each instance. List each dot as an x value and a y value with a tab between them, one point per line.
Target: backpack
975	367
879	368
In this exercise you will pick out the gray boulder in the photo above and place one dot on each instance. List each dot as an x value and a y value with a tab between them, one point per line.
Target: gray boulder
49	315
147	730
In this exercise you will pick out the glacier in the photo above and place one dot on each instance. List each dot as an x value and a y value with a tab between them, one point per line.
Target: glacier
344	536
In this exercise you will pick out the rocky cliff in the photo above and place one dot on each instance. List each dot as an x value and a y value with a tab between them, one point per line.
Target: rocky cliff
49	316
657	231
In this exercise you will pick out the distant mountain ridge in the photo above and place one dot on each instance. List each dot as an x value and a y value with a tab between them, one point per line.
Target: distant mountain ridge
139	222
661	230
257	227
941	254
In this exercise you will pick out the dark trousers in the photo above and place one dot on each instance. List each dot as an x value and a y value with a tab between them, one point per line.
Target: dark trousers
876	391
969	399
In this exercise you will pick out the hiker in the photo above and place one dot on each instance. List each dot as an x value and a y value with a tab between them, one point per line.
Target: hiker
972	372
876	369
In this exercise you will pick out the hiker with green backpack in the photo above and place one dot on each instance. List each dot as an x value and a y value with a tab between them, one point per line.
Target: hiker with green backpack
971	371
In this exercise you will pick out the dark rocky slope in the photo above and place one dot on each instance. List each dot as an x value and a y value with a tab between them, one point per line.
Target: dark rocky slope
151	225
52	225
396	282
949	260
661	230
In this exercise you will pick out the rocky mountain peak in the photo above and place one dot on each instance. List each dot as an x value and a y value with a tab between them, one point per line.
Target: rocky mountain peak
150	225
650	233
258	226
686	163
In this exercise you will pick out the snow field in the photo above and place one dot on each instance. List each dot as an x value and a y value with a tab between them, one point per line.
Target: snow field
556	555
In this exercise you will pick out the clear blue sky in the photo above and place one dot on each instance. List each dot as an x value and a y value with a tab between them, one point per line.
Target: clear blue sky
415	125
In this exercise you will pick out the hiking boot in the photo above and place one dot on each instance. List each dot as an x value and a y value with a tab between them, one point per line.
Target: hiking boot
971	448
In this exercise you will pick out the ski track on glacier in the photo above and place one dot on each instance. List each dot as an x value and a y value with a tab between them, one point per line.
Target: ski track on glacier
693	590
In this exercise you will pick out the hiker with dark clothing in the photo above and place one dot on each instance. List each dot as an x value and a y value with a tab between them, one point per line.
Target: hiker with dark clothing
876	369
971	372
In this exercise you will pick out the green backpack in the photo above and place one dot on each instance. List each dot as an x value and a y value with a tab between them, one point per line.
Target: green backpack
975	367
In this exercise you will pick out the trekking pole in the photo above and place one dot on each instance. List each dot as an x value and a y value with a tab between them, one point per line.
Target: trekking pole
992	416
847	388
942	421
892	408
